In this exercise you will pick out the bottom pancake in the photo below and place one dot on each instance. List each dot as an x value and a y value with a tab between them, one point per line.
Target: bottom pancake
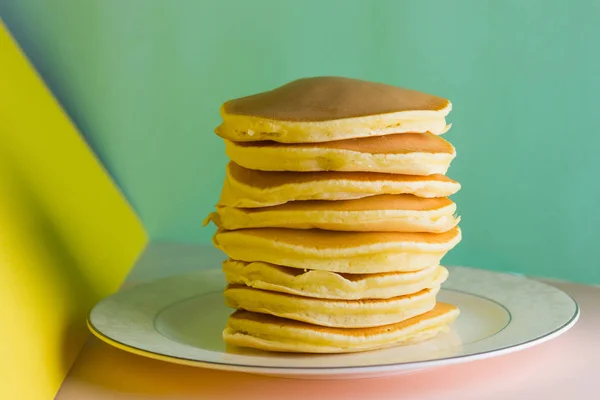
334	313
266	332
332	285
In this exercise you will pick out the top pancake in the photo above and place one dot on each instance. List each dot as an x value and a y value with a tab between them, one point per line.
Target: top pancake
329	98
323	109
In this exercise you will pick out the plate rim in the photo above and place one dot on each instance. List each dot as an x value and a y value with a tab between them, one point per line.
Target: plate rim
352	369
285	370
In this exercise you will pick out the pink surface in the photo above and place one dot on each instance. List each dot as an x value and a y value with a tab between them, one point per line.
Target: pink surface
562	368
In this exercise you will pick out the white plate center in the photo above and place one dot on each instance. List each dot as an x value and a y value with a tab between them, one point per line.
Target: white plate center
196	322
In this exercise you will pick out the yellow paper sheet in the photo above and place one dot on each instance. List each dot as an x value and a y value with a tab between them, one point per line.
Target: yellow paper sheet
67	236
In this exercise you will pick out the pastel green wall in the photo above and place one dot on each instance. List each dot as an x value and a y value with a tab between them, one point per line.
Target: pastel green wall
144	81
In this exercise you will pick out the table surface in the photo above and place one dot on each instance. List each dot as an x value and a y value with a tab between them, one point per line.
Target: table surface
559	369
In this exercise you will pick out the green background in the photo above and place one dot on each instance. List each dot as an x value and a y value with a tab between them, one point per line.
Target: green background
144	80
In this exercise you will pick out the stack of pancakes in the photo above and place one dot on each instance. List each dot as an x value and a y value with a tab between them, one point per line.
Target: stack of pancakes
335	216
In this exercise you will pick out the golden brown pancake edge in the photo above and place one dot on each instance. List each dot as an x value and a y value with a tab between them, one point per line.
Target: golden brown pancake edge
330	98
439	310
399	143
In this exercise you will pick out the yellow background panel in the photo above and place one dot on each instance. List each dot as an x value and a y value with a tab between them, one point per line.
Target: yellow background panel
67	236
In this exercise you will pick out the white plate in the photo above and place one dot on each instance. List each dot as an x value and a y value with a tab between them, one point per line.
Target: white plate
179	319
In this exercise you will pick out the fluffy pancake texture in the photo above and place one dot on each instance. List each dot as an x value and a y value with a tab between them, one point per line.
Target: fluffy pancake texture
405	153
327	312
248	188
335	216
324	109
331	285
348	252
382	213
266	332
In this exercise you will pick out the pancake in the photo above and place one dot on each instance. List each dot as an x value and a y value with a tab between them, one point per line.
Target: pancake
331	285
327	312
266	332
382	213
404	153
347	252
323	109
249	188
